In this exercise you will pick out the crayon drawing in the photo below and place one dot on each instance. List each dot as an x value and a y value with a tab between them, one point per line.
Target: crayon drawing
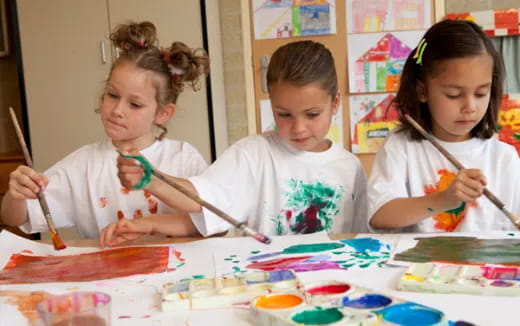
344	254
97	265
371	120
290	18
367	16
470	250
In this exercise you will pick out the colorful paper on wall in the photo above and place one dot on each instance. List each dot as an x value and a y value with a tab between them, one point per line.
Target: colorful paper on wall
493	22
371	120
290	18
365	16
509	120
376	60
335	131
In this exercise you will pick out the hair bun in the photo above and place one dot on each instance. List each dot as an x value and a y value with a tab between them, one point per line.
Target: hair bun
134	36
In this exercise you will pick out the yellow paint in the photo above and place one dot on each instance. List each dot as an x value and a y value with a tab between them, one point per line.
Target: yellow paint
410	277
278	301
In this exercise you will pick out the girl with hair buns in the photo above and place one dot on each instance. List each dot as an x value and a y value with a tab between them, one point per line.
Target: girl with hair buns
83	189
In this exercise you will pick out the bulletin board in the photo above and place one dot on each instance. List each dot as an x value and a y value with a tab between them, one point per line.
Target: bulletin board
337	44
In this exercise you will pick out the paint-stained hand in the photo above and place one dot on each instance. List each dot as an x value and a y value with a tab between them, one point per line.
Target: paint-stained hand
123	231
25	183
467	186
130	171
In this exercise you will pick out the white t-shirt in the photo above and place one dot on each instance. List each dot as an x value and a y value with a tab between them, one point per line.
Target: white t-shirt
405	168
84	190
280	190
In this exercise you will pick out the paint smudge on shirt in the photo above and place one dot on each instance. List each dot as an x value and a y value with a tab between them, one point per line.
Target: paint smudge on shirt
153	206
120	215
308	208
450	219
138	214
103	202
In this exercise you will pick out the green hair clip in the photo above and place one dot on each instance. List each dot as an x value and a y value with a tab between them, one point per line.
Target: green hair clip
419	52
147	168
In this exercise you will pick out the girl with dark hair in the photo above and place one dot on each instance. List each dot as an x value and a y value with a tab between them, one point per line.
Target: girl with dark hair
140	95
452	86
288	181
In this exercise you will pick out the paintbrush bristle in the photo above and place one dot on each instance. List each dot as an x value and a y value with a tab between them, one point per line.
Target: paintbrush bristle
58	243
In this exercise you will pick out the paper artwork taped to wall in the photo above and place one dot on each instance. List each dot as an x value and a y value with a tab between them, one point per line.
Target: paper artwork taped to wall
371	120
509	120
290	18
375	61
366	16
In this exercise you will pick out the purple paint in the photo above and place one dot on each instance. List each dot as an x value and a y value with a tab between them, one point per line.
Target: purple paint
368	301
278	276
398	50
501	283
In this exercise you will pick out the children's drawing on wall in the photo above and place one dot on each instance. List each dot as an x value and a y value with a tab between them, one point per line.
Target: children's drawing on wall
493	22
365	16
344	254
335	131
376	60
371	120
509	120
290	18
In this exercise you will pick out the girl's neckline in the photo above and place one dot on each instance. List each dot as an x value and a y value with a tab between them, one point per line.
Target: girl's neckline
145	150
461	146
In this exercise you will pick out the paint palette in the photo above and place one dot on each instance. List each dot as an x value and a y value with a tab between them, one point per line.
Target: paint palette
340	304
457	278
227	291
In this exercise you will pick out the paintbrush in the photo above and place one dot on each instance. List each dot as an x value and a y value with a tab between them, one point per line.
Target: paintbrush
458	165
239	225
56	240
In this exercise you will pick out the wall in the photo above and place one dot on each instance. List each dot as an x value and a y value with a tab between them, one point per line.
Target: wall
9	96
454	6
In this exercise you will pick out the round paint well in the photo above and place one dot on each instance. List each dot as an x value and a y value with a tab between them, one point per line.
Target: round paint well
232	290
328	289
410	314
317	316
278	301
367	301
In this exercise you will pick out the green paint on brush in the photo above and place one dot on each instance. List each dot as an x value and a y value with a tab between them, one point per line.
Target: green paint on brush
313	247
318	316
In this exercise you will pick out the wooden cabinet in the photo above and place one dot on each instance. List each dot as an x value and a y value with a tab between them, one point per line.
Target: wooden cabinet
8	163
67	57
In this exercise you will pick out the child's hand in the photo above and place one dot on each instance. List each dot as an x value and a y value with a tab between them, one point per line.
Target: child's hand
25	183
468	185
130	172
122	231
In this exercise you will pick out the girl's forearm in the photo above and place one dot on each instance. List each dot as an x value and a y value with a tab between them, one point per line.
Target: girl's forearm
174	198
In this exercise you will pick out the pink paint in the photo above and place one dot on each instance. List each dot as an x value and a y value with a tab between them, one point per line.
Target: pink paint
329	289
276	264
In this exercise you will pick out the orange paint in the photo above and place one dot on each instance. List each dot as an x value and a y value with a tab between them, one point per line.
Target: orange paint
125	191
147	194
103	202
25	302
152	206
138	214
91	266
120	215
57	242
278	301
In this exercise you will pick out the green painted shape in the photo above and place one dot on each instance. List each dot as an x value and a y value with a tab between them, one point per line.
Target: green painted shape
296	23
236	261
254	252
318	316
457	210
511	234
228	259
516	136
469	250
198	276
313	247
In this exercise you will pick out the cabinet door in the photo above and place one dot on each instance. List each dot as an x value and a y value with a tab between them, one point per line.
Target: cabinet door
64	73
176	20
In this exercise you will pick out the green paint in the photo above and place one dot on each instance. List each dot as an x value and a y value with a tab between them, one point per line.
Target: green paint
254	252
228	259
458	210
236	261
516	136
198	276
309	207
318	316
499	127
339	252
232	255
430	209
314	247
236	269
469	250
511	234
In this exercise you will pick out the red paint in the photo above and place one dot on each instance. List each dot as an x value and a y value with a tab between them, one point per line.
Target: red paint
138	214
152	206
103	202
276	264
81	321
125	191
311	223
288	215
147	194
120	215
329	289
26	251
99	265
124	317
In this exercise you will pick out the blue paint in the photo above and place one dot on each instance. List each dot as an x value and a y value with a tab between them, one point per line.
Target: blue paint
277	276
317	258
366	244
410	314
263	256
368	301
